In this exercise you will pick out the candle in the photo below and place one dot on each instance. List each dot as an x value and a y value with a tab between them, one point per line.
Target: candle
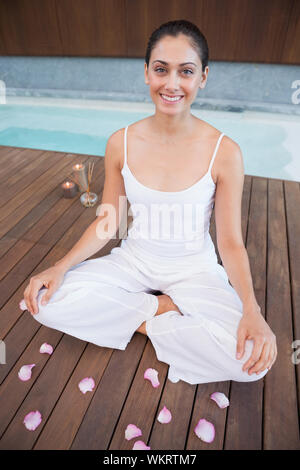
81	177
69	189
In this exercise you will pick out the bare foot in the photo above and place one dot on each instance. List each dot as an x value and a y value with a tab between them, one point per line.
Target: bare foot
165	304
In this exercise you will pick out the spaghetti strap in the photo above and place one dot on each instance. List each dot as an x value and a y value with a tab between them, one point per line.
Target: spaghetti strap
125	147
215	152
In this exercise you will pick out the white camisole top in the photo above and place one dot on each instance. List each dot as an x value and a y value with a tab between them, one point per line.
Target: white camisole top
168	224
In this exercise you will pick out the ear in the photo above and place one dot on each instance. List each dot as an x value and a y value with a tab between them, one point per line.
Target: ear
146	74
204	77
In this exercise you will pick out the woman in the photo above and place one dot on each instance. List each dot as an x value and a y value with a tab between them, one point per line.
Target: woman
206	329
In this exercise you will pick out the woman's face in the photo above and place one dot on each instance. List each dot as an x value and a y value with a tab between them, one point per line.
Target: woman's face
166	76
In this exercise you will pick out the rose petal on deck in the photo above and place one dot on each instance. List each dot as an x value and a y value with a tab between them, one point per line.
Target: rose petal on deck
46	348
132	431
205	430
32	420
22	305
140	445
164	416
86	385
152	375
220	398
25	372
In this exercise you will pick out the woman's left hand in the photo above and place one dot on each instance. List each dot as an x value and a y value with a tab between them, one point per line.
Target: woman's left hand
253	326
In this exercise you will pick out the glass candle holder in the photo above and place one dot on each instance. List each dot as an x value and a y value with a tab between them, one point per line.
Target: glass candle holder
80	176
88	199
69	189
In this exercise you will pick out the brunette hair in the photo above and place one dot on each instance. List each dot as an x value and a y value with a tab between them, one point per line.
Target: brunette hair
174	28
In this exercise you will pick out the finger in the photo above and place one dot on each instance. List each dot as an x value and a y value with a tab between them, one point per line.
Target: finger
240	347
263	360
46	297
30	296
270	359
33	296
274	356
25	297
256	352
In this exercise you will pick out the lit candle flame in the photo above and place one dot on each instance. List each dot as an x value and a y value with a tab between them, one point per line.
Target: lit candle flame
68	184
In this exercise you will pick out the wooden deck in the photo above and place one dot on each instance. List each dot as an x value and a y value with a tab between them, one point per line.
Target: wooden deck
38	226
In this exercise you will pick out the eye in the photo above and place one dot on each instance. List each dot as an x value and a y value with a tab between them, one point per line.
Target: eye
185	70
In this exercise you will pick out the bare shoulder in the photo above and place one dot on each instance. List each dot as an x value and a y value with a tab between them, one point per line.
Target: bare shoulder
115	143
115	147
230	162
229	159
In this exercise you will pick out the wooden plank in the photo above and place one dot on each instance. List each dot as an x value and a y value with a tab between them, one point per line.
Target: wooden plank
5	151
178	398
19	159
30	29
30	227
113	379
10	158
95	24
36	228
34	184
13	391
28	198
280	404
290	52
205	407
17	279
30	171
37	252
246	399
44	393
292	199
63	423
142	401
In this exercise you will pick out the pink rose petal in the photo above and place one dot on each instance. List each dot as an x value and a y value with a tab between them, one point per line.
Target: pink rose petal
32	420
164	416
205	430
86	385
25	372
140	445
220	398
132	431
152	375
22	305
46	348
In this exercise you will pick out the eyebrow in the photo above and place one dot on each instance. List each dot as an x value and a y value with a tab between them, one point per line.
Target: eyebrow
166	63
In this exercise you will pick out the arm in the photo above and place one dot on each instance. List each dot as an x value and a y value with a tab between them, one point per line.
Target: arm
228	201
235	259
91	241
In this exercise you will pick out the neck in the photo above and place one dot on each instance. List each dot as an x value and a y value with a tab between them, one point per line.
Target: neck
172	126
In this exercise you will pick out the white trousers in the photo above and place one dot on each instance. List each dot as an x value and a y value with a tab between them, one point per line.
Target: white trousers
105	300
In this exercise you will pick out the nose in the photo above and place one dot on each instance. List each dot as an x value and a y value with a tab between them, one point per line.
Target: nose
172	82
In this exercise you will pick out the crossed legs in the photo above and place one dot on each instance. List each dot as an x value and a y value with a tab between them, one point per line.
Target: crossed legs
165	304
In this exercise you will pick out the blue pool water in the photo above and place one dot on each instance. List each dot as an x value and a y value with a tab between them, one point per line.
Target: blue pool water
269	142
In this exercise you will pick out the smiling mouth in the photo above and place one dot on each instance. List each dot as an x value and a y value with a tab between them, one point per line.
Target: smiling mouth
172	99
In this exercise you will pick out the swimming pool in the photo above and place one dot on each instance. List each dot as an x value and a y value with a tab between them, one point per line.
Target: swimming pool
269	142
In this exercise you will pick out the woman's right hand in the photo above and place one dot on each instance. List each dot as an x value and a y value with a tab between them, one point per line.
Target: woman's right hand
51	278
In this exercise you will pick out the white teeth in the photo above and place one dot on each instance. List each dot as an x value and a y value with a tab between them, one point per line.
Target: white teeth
177	98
